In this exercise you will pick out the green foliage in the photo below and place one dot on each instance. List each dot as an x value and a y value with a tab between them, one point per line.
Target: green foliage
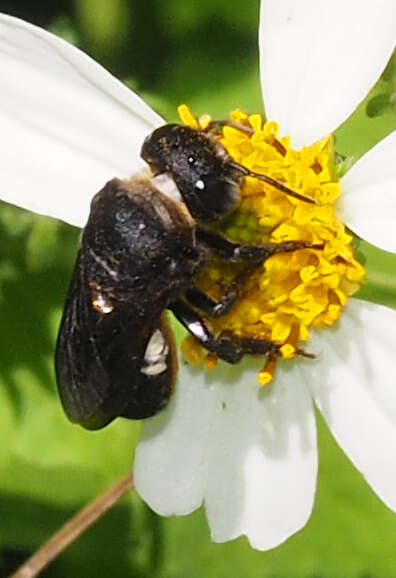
170	52
379	104
359	133
380	274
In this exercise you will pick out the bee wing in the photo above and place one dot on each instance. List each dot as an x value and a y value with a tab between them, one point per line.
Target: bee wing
107	365
75	346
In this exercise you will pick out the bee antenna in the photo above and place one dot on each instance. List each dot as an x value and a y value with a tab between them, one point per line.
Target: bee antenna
273	182
306	354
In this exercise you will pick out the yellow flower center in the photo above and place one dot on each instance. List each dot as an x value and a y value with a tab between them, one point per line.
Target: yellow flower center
290	292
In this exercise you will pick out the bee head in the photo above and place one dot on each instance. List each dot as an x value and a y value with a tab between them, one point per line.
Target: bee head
200	168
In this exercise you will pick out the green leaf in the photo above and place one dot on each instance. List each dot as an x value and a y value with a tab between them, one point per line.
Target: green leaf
41	242
104	23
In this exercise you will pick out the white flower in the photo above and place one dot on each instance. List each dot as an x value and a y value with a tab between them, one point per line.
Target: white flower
249	455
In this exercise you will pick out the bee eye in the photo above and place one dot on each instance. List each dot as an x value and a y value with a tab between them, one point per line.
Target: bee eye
212	197
191	160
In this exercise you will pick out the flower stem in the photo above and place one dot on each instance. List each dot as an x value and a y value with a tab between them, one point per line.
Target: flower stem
379	285
73	529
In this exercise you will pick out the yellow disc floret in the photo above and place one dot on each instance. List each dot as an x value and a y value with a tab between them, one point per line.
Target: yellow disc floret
290	292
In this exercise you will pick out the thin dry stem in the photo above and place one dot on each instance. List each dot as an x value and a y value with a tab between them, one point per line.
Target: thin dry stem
73	529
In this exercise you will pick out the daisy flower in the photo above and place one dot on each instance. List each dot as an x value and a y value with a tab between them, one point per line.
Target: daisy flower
248	453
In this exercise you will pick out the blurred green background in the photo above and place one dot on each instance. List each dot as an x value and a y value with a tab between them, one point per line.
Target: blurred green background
170	52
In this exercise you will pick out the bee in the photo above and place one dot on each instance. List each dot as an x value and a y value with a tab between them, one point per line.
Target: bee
140	255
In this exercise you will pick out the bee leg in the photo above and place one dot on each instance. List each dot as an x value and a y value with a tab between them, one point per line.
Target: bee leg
227	301
218	245
257	346
210	307
224	346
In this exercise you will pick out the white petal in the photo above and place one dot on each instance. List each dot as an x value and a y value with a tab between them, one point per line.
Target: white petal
263	460
319	59
66	124
354	384
249	453
369	195
170	467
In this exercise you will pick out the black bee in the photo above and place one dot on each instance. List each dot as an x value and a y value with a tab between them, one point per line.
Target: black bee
141	252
